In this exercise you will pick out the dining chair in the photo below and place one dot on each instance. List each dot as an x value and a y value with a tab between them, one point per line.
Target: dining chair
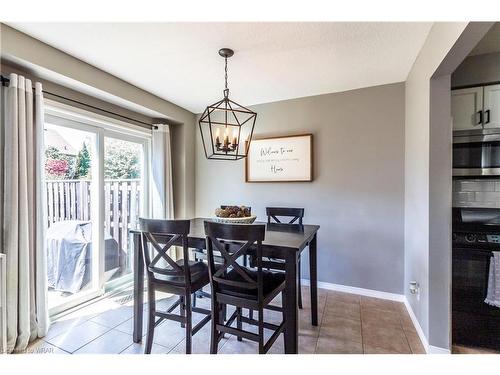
274	213
199	254
293	216
234	284
164	274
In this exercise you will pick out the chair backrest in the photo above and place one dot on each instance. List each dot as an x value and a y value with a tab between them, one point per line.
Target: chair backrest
289	212
251	237
162	235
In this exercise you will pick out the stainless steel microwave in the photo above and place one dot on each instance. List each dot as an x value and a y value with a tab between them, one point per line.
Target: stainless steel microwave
476	152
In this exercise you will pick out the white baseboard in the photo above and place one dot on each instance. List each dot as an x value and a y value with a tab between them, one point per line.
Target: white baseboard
430	349
437	350
417	326
355	290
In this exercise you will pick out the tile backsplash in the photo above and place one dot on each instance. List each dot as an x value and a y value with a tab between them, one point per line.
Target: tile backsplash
476	193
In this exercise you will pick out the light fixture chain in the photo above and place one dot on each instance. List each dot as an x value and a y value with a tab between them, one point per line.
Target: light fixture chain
225	72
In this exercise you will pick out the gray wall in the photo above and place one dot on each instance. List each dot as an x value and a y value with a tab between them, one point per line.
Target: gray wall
40	60
440	188
440	199
476	70
417	162
357	192
428	187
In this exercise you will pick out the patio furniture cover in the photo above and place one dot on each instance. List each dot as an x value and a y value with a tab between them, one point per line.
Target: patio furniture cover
68	254
69	249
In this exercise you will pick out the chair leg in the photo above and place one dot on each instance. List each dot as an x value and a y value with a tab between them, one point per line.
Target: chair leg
196	294
239	323
283	315
261	331
182	309
151	319
213	332
189	322
299	287
223	315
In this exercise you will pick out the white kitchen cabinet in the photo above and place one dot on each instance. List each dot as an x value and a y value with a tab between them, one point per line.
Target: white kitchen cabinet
466	107
491	106
476	107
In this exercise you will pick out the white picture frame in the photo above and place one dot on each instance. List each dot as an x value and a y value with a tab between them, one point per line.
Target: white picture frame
280	159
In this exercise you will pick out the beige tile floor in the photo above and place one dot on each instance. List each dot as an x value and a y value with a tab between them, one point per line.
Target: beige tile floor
348	324
459	349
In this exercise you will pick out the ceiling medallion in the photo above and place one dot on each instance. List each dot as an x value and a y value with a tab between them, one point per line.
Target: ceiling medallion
226	127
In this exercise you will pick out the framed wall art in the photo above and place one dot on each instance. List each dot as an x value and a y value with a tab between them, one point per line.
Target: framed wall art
280	159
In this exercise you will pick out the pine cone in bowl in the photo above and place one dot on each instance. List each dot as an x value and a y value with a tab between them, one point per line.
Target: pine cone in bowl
233	212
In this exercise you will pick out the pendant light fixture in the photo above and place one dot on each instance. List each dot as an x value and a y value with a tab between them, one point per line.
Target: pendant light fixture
226	127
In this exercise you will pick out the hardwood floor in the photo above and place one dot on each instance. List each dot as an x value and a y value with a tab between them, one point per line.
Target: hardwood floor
348	324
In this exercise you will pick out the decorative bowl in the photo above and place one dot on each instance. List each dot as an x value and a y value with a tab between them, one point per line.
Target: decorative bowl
235	220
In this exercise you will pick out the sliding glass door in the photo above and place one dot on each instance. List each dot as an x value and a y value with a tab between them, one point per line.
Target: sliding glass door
124	198
72	234
96	182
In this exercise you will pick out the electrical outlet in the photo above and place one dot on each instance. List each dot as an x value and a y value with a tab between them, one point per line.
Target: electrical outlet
415	289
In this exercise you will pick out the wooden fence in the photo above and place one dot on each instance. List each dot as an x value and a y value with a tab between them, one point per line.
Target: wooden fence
70	200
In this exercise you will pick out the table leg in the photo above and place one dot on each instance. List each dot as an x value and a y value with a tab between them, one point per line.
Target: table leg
138	288
313	276
291	307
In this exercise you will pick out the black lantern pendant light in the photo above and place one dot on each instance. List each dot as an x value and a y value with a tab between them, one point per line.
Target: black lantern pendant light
226	127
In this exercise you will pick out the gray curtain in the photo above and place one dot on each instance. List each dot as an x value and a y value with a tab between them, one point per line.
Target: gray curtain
22	212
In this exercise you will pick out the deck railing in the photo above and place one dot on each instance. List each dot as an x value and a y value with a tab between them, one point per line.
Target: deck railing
71	200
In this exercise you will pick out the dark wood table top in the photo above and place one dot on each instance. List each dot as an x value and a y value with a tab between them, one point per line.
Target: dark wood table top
289	236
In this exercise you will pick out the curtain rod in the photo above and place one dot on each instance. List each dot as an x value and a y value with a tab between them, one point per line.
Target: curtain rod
5	82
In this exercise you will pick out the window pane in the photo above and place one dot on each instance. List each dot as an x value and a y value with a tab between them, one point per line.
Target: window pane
71	248
123	200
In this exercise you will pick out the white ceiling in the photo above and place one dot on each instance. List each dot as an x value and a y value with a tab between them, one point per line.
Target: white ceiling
490	42
179	62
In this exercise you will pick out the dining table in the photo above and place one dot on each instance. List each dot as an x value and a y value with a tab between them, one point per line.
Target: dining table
282	241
